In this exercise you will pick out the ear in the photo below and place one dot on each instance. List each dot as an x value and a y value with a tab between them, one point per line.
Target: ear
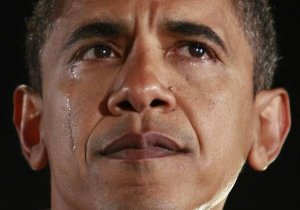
27	117
274	121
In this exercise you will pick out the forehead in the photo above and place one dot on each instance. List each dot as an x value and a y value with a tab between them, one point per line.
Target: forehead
211	12
219	15
188	7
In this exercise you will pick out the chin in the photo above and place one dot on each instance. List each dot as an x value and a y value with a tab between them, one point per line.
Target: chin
151	198
146	204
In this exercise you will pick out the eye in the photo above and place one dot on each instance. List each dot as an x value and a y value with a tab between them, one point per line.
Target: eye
98	51
195	50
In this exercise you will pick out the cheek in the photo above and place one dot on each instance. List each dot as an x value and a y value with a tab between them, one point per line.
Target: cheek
222	122
58	134
77	101
71	110
56	123
88	97
223	129
219	104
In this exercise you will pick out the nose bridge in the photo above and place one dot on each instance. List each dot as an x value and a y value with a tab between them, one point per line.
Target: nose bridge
142	68
140	85
144	55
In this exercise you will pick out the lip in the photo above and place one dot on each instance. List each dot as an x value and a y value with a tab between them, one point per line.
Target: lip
135	146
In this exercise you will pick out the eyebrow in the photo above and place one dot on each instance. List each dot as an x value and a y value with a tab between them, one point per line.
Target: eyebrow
93	30
191	29
107	29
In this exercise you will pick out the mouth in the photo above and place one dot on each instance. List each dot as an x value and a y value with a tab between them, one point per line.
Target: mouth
135	146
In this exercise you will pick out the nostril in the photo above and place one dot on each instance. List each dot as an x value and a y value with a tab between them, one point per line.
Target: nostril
157	102
125	105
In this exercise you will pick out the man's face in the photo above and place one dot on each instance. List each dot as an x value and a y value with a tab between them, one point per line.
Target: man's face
146	104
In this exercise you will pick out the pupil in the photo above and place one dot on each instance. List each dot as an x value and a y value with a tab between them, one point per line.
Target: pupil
102	51
196	50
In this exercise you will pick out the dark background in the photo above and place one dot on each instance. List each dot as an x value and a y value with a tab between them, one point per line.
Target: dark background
277	188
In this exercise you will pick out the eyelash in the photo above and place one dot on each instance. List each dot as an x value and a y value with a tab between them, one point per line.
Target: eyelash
203	49
180	48
81	53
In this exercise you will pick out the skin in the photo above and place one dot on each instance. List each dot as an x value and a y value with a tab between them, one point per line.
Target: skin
205	103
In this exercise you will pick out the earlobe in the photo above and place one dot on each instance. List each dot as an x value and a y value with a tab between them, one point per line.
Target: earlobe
27	118
274	121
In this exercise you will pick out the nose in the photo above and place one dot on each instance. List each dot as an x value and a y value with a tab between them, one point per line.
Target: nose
140	90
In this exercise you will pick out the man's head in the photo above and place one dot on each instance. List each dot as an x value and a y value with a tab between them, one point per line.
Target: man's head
150	104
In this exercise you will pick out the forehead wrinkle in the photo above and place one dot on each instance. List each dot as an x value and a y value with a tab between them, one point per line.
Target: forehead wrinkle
146	13
153	13
96	28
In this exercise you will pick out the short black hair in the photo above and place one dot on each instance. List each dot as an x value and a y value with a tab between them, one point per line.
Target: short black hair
255	17
38	28
258	23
